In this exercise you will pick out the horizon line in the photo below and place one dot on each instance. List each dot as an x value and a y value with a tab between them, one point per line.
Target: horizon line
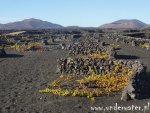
19	20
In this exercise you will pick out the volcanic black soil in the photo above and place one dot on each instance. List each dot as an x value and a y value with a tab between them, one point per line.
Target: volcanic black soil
23	75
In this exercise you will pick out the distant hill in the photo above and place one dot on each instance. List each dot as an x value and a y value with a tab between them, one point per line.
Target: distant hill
146	27
40	24
30	24
125	24
73	27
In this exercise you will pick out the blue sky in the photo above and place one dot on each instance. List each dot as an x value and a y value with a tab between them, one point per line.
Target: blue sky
75	12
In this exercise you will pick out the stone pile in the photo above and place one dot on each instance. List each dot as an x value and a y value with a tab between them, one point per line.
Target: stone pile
86	47
102	66
138	84
141	42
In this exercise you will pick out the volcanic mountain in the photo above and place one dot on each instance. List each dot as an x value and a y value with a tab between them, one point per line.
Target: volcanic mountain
30	24
125	24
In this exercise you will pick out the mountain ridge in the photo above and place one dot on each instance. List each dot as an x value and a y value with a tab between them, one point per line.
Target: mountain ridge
124	23
31	23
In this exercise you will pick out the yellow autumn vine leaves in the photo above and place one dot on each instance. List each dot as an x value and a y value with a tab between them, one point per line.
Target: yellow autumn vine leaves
90	86
96	55
19	47
145	45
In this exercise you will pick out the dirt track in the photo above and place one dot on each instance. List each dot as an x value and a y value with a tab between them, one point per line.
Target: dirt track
22	76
